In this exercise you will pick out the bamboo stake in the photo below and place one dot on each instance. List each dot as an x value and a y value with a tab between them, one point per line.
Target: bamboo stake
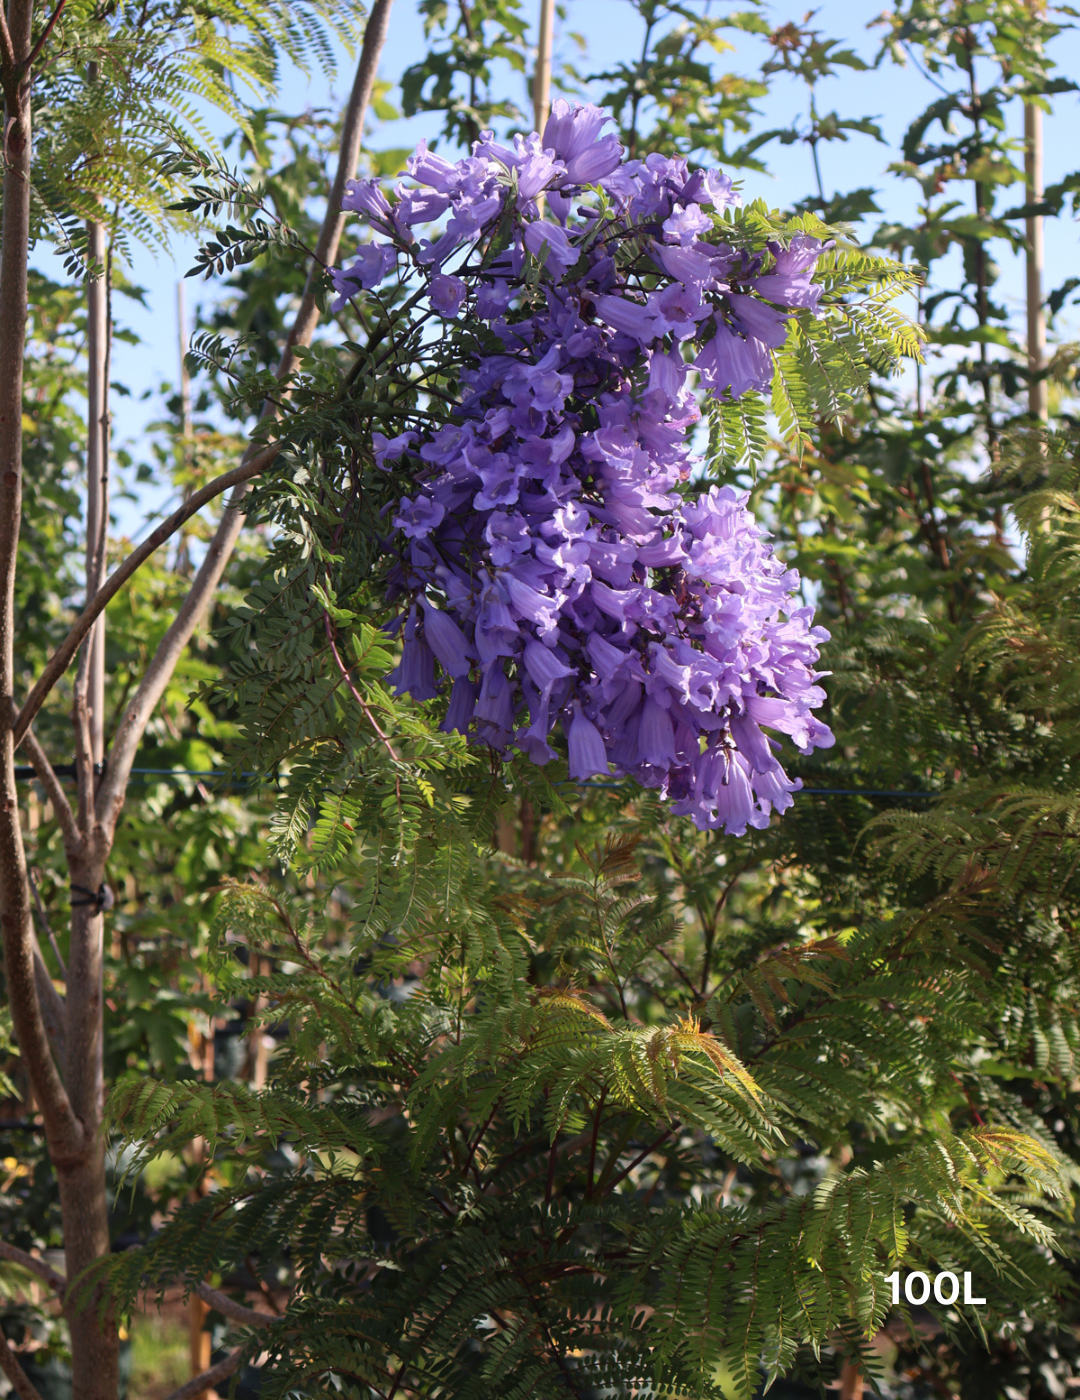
183	556
185	377
97	472
1036	316
199	1340
542	77
851	1382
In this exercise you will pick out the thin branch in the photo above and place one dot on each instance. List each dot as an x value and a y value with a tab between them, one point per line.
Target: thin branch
129	732
61	658
52	1006
594	1136
56	795
479	1136
43	38
352	133
356	694
88	712
208	1379
263	1288
228	1308
43	919
56	1281
640	1158
7	50
679	973
20	1381
709	926
211	1296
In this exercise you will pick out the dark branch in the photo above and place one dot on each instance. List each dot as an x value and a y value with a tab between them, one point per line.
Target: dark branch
43	919
7	49
208	1379
56	1281
43	38
228	1308
20	1381
48	779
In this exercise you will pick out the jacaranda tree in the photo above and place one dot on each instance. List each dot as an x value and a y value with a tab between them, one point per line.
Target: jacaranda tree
568	1124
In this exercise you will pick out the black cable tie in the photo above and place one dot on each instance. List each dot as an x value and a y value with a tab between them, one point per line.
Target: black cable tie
102	900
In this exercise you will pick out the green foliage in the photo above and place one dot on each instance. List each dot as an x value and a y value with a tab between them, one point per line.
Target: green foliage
125	92
494	1104
673	98
456	75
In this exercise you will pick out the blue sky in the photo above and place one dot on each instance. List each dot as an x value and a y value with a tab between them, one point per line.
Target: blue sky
612	31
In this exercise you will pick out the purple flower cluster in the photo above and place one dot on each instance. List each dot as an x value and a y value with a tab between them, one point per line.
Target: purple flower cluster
555	564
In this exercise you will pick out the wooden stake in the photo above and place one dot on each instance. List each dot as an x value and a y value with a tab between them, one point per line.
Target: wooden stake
202	1058
97	470
260	1050
542	77
199	1342
851	1382
185	377
1036	317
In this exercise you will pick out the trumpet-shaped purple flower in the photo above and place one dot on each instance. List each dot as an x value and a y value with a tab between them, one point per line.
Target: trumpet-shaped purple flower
550	243
419	517
372	264
717	189
550	565
573	133
447	294
365	197
493	300
588	755
684	225
733	365
447	641
390	449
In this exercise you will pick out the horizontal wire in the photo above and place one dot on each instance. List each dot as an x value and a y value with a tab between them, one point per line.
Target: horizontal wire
27	774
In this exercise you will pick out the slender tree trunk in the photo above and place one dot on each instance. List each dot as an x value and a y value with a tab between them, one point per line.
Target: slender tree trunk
95	1346
15	917
1036	318
71	1113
